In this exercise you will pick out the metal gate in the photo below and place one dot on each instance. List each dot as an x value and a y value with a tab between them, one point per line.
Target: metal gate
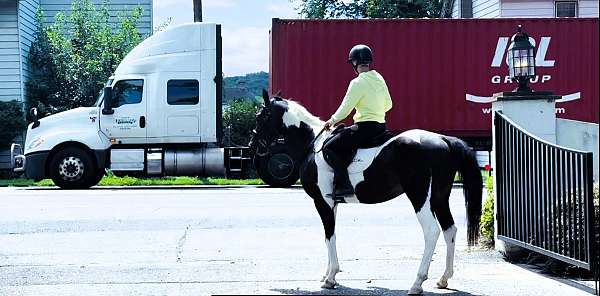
545	201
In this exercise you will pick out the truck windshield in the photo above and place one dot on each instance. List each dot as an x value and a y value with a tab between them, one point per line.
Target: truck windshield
101	94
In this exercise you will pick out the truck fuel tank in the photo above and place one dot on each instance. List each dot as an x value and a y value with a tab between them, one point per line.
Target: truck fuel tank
194	162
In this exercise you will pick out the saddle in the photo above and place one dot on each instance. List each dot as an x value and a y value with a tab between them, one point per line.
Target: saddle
376	141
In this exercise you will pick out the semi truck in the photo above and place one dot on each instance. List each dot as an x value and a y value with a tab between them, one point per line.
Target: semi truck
158	115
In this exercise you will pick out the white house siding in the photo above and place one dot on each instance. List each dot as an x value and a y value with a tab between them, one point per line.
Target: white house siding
52	7
486	8
481	9
455	9
10	74
27	29
588	8
534	9
544	8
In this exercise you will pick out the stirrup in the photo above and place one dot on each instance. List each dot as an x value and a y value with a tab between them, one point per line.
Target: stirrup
340	193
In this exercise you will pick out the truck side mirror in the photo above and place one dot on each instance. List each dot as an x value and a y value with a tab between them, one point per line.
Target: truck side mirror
108	101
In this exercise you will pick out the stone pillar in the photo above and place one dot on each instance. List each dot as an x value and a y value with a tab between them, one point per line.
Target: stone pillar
534	112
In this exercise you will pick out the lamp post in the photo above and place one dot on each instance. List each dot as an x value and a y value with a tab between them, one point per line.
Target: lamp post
533	111
521	61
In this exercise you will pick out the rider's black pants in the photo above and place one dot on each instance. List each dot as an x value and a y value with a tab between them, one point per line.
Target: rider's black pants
339	148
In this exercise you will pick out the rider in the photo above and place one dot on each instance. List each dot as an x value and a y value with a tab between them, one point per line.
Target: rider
369	96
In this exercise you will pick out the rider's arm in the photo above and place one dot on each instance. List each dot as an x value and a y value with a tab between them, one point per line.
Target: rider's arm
353	95
388	102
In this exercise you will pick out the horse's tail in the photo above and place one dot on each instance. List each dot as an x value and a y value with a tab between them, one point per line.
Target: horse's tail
472	186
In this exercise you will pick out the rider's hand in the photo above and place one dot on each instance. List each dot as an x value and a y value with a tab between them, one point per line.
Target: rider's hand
328	124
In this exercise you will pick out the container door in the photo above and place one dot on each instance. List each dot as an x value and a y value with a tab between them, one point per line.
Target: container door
127	125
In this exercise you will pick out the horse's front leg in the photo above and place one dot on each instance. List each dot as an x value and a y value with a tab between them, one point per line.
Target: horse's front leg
327	213
431	232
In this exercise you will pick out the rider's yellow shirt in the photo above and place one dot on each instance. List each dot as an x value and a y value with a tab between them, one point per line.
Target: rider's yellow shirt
369	95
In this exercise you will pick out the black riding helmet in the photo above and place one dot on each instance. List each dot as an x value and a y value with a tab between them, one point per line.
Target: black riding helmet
360	55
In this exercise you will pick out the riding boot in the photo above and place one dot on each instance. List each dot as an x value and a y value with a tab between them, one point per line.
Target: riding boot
341	181
342	184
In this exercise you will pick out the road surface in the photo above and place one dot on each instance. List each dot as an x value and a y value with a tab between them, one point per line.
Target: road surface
197	241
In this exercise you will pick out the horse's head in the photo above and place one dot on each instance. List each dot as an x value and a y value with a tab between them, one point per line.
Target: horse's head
269	123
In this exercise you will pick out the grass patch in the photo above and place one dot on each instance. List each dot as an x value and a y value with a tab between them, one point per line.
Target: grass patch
16	183
112	180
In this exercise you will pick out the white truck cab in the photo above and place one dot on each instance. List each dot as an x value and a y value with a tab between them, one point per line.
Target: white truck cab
160	114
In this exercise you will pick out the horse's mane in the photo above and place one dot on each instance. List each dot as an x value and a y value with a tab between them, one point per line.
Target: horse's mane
298	111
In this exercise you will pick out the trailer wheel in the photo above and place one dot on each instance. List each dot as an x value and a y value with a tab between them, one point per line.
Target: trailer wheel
73	168
278	168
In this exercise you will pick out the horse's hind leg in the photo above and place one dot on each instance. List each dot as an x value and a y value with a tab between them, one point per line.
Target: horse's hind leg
422	203
327	214
442	212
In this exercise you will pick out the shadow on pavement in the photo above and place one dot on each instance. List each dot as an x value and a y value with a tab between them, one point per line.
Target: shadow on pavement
343	290
174	187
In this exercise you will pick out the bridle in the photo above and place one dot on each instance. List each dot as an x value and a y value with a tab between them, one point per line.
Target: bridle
262	144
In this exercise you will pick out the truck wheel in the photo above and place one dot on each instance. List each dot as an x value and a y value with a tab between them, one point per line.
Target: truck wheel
99	175
278	168
73	168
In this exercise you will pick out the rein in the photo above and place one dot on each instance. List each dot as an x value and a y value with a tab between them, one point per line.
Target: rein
312	143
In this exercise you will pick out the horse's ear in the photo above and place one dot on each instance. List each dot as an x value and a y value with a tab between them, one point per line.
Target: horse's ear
278	94
265	96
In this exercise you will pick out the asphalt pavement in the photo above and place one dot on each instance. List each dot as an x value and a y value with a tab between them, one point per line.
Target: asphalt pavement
250	240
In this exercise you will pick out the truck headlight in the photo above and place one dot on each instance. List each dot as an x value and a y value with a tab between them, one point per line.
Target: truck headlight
36	143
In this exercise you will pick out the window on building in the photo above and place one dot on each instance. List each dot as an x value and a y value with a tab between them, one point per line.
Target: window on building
565	8
183	92
466	8
128	92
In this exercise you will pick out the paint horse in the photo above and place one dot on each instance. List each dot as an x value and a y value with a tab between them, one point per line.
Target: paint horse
419	163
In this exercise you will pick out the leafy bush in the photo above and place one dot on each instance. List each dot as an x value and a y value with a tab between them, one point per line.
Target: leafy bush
12	122
238	122
487	216
71	59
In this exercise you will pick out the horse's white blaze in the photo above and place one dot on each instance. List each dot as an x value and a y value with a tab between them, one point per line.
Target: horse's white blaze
431	232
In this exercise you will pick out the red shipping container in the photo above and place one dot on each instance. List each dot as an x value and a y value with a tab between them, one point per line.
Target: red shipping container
441	73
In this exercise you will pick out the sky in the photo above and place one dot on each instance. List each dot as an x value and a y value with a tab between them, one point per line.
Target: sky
245	27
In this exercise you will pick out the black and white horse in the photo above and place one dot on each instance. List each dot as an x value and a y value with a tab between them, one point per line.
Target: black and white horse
419	163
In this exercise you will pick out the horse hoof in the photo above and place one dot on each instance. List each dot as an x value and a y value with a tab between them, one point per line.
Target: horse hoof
323	278
415	291
442	283
329	284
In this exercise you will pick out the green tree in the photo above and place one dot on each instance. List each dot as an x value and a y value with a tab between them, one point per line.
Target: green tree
71	59
239	120
370	8
11	122
403	8
321	9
